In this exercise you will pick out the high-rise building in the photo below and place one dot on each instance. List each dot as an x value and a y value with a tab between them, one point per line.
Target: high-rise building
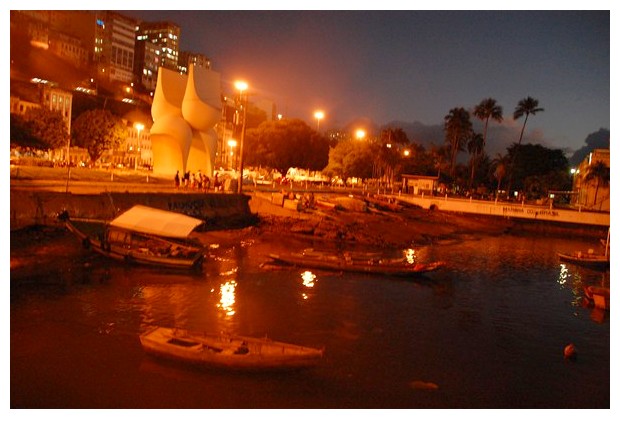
198	60
115	36
165	35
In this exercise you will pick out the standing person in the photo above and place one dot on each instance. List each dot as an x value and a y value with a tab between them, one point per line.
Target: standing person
216	182
177	180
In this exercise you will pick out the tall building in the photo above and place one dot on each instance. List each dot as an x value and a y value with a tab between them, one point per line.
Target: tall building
165	35
115	36
198	60
146	64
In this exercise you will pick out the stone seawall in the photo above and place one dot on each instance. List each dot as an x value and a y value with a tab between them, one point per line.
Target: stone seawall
218	210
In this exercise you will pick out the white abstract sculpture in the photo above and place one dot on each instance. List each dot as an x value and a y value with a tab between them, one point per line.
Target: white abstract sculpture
185	111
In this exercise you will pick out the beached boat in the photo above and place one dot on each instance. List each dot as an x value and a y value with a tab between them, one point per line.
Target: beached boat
228	351
356	263
141	235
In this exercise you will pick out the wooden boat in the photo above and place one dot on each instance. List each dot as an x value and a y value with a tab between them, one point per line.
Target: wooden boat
372	265
141	235
228	351
585	259
597	296
589	258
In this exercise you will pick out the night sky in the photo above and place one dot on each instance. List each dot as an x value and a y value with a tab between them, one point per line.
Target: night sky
414	65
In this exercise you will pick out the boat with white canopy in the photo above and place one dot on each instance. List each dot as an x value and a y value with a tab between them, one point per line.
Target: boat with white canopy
142	235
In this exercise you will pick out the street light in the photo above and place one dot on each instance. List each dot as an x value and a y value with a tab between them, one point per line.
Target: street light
241	86
318	115
138	126
360	134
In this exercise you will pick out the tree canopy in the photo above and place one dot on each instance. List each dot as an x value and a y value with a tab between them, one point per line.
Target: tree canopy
39	128
284	144
98	131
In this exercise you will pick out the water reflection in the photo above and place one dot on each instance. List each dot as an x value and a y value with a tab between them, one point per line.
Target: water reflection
410	255
227	298
307	279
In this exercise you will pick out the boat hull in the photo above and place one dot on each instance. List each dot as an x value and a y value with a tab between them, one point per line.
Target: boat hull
93	237
228	351
399	269
585	260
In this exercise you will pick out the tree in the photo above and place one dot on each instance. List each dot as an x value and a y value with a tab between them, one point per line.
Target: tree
528	106
475	146
499	167
388	151
600	173
534	160
351	158
458	128
488	109
98	131
286	143
39	128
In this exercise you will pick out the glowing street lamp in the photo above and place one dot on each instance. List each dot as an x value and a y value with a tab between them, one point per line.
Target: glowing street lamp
241	86
319	114
360	134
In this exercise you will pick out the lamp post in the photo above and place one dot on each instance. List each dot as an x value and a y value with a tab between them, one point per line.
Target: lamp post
138	126
241	86
318	115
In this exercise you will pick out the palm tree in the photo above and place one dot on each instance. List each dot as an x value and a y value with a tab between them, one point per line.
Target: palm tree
499	166
528	106
475	146
599	172
488	109
458	128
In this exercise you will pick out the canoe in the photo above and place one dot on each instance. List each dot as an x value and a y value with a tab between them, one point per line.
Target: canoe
227	351
132	237
392	267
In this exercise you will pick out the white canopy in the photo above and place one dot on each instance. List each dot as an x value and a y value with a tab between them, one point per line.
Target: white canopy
157	222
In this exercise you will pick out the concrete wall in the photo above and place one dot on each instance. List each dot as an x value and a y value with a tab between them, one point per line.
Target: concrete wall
40	208
518	211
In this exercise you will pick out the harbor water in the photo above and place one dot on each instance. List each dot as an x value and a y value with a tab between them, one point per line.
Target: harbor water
487	331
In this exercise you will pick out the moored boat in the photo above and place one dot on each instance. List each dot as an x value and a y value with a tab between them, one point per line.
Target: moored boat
345	262
587	259
141	235
228	351
597	296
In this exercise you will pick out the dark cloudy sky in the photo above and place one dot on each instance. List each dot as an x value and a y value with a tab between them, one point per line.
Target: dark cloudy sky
414	65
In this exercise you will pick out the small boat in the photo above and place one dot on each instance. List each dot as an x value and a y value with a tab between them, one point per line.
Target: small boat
589	258
356	264
228	351
597	296
141	235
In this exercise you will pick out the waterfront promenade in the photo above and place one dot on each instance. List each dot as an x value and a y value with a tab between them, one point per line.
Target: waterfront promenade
508	210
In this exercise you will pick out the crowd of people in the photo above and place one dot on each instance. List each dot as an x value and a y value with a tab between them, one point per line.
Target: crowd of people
196	181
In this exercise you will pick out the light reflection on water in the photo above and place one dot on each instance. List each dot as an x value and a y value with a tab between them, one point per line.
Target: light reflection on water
488	329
